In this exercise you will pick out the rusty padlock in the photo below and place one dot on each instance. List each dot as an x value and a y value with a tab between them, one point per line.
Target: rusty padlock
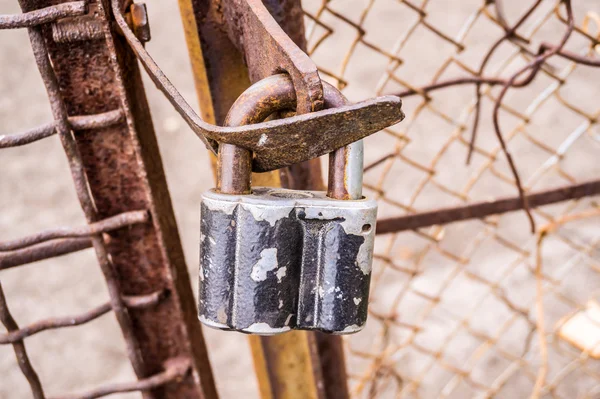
274	259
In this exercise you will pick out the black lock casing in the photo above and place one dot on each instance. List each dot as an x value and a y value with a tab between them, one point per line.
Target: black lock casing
278	259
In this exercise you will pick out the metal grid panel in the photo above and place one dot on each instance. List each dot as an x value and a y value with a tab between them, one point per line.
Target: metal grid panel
101	119
464	310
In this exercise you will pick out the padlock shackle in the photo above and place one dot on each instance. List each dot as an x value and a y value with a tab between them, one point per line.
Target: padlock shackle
273	94
345	164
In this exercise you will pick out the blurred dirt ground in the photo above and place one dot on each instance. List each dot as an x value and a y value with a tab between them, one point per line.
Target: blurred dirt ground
36	193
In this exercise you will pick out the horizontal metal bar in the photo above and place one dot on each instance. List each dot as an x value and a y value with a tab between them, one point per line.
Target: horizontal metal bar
42	251
78	30
103	226
43	15
482	209
174	370
83	122
137	301
54	323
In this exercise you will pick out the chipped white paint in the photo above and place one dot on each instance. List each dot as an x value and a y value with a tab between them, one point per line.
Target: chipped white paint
269	214
263	139
218	205
222	315
281	272
364	259
212	323
280	303
265	329
212	241
287	321
357	301
201	272
351	329
266	263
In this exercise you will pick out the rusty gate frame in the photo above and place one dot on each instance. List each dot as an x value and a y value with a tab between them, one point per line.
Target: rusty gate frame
102	119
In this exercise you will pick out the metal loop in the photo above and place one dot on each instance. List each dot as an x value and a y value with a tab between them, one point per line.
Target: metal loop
274	94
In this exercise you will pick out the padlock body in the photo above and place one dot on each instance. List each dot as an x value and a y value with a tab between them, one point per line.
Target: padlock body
279	259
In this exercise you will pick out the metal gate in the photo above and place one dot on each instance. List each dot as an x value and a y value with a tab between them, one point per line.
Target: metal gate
501	115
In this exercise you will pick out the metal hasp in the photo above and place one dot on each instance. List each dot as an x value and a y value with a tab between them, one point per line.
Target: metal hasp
314	134
272	260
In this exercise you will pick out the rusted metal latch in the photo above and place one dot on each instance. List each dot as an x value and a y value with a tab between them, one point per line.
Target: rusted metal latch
87	26
304	136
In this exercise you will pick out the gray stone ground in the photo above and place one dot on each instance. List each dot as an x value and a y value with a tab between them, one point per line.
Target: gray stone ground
36	193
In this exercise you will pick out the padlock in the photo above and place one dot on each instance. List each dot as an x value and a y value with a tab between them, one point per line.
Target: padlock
274	259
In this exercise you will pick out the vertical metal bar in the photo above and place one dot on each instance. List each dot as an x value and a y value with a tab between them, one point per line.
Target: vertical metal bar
296	364
20	351
118	169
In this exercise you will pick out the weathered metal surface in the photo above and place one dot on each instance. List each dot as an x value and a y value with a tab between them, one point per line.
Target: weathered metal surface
255	32
291	145
43	15
259	269
276	150
116	169
351	121
19	348
132	302
332	361
104	226
173	372
138	15
83	122
345	164
42	251
287	365
480	210
78	29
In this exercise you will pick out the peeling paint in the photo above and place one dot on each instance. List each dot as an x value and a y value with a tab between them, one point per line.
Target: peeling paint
265	329
352	329
281	273
269	214
262	140
222	315
287	321
321	242
266	263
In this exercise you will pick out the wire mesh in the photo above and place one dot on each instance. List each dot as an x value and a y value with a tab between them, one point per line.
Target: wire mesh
467	309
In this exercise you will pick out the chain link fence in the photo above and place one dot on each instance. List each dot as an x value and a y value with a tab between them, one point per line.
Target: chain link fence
467	309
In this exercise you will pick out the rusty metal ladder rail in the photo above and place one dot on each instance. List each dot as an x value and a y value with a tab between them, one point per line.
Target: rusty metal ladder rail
104	125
